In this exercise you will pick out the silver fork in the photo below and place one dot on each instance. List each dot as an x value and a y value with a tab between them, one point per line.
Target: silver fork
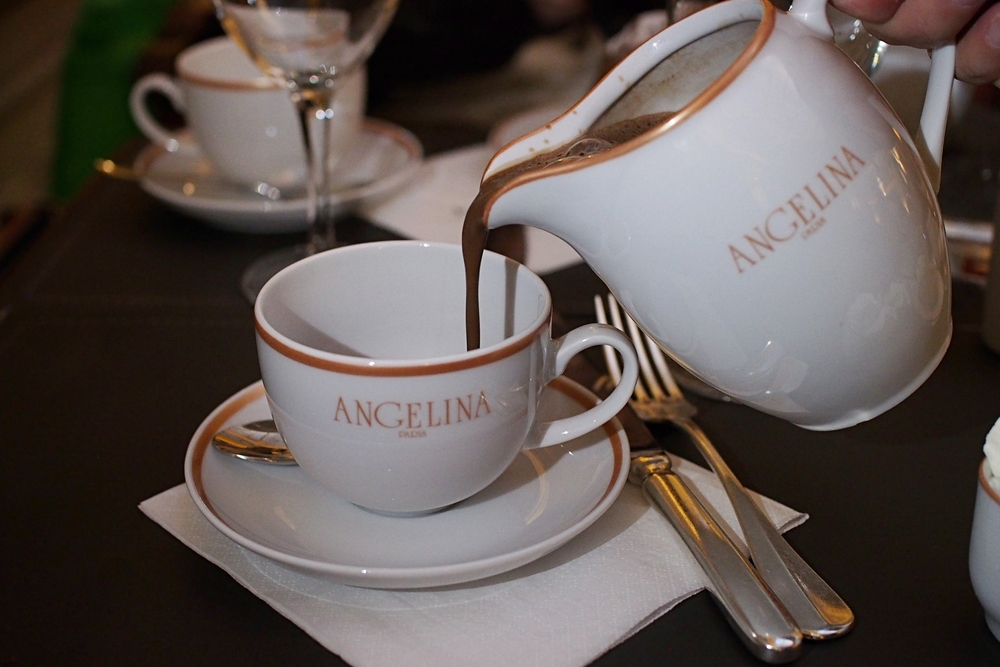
814	606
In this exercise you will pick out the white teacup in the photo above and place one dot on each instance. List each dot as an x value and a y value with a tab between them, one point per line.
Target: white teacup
242	120
363	355
984	550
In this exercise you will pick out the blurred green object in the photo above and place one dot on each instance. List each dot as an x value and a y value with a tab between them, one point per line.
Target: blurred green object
94	118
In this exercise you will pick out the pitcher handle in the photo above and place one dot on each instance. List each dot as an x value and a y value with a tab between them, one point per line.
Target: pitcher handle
934	118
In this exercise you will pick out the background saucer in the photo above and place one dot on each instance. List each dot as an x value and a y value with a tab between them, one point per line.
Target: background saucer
520	124
383	157
546	497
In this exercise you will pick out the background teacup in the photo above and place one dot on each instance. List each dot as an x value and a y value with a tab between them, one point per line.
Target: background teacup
363	355
984	549
242	120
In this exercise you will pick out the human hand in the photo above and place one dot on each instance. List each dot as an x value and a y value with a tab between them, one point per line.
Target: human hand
973	24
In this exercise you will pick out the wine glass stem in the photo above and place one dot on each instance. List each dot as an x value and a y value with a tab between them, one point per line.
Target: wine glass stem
315	111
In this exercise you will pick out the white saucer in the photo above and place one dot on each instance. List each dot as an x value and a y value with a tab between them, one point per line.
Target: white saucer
547	497
383	157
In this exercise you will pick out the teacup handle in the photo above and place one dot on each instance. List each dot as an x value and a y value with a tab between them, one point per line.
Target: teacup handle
934	118
567	347
163	84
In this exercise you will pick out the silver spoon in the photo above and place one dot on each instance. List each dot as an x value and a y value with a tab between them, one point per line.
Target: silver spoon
184	182
115	170
256	441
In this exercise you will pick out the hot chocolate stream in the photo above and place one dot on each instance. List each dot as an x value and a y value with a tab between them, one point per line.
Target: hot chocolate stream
474	229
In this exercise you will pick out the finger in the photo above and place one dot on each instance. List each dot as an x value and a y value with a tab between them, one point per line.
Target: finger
918	23
977	56
927	23
875	11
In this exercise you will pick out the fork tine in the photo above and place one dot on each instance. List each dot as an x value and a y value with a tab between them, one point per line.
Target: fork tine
610	360
640	350
660	362
616	319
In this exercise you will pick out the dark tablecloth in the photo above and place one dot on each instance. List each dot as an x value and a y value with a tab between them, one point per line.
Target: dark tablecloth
123	326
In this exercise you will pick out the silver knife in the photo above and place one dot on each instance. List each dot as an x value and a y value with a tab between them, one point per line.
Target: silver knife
751	608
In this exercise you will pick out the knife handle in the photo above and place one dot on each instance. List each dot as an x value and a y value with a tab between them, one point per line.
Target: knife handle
814	606
749	604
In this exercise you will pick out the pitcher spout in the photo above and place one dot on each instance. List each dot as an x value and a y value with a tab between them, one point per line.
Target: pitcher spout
538	179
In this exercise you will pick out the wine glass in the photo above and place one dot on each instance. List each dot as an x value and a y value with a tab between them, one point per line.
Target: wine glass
309	46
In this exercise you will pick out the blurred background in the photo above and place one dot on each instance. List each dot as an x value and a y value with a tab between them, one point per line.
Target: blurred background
67	66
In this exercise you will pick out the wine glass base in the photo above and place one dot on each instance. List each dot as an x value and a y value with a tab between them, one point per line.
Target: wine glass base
264	268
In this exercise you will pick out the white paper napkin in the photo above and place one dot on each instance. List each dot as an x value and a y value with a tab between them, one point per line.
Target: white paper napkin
563	610
432	207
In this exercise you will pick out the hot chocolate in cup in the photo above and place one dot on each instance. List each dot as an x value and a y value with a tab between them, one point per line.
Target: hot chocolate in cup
241	120
363	355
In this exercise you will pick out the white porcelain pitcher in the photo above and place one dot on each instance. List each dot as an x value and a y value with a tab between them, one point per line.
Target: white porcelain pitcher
779	235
